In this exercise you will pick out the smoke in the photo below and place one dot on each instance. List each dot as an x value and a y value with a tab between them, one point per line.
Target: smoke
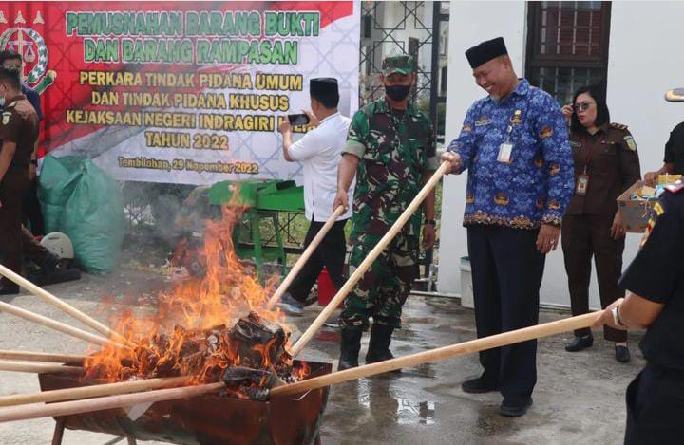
165	212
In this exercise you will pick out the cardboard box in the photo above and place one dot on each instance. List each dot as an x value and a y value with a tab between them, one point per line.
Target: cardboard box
668	179
635	213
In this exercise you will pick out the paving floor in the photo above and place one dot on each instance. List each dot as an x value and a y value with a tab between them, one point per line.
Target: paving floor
579	397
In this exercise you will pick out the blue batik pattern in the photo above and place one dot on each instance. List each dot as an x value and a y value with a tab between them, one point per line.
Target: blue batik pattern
536	185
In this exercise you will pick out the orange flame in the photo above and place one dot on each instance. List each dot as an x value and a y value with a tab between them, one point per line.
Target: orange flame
301	371
202	308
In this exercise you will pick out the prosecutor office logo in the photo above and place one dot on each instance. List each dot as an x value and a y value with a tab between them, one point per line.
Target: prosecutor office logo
29	43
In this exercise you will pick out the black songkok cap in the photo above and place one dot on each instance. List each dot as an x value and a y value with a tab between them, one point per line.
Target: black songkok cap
485	51
323	87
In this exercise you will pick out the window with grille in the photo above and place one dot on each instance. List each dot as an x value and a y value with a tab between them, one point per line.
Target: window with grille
567	46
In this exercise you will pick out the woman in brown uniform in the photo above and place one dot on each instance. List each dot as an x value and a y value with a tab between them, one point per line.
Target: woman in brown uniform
606	164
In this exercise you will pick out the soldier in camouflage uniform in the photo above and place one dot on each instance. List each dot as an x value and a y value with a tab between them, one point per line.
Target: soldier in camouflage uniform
391	151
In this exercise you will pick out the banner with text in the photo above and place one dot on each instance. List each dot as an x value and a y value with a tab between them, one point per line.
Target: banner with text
180	92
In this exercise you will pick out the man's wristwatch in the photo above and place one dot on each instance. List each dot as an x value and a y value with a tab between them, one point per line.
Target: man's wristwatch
430	222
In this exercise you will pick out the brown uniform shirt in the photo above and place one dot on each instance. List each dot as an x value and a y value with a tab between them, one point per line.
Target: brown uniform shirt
19	124
610	159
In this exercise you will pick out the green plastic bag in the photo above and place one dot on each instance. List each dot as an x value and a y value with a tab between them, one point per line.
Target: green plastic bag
80	200
57	182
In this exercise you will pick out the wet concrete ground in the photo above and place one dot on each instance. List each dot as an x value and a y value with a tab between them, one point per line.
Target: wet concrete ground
579	397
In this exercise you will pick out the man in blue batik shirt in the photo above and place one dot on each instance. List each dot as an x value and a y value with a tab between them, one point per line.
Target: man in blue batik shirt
514	144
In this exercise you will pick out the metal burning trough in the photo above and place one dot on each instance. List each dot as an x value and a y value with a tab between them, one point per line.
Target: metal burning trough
214	327
216	334
204	420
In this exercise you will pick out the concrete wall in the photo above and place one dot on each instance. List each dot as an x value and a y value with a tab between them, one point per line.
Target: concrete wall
644	61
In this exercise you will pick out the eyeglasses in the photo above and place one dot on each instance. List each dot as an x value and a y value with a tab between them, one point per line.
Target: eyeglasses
583	106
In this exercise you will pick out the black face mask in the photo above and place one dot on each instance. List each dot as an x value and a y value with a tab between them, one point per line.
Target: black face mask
397	92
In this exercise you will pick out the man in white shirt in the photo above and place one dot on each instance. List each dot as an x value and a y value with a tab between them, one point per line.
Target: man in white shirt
319	152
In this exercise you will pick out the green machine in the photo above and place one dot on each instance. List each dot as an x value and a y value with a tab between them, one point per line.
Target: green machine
259	235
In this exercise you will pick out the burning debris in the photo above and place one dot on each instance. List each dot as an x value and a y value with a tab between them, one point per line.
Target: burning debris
249	357
214	326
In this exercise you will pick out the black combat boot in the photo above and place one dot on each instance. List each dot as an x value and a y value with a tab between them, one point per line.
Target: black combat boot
378	349
350	343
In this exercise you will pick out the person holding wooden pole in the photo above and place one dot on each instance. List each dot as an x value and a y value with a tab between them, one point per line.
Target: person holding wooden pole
391	151
655	399
514	144
319	152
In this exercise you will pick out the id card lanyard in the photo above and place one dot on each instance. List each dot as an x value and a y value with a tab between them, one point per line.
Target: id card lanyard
582	182
583	178
506	148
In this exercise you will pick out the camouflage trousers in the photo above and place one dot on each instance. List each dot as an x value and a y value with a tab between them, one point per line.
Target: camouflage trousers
383	290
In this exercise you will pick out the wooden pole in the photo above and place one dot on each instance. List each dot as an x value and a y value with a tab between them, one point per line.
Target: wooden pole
368	261
443	353
72	407
89	392
304	257
38	368
51	299
30	356
61	327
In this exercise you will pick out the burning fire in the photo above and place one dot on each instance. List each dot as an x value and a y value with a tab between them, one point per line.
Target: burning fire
204	325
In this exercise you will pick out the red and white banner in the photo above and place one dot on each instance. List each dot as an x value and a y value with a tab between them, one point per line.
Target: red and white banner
180	92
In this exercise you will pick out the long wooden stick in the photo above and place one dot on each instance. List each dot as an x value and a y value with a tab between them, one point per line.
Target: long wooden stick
38	368
368	261
30	356
60	409
89	392
443	353
61	327
49	298
304	257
